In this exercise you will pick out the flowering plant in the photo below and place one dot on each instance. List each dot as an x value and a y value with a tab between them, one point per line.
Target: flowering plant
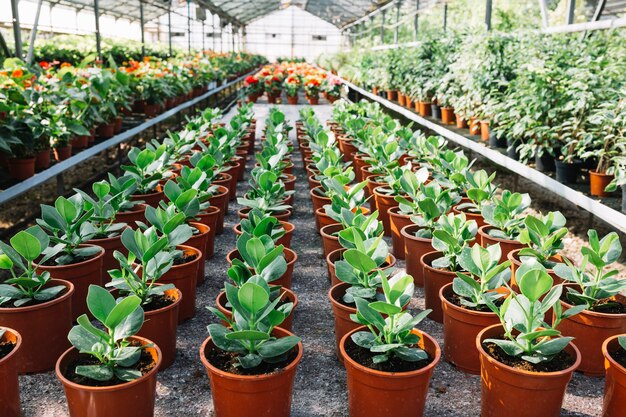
312	85
292	85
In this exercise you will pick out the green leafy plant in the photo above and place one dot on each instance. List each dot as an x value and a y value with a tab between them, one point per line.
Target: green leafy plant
147	167
431	203
105	207
451	235
259	224
505	214
544	236
259	256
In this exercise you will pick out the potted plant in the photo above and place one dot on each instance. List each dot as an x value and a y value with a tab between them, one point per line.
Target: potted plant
292	86
596	287
504	216
388	361
138	271
453	232
524	360
109	367
68	226
262	359
258	224
32	303
10	344
479	190
129	211
465	311
614	351
312	87
147	169
267	193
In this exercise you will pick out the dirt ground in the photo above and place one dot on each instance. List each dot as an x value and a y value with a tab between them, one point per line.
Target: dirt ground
320	386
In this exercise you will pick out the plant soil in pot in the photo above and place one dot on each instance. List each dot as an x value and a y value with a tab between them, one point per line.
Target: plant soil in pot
506	245
398	221
209	218
220	199
461	325
10	344
373	393
21	168
128	399
44	324
183	275
384	202
589	330
615	382
287	297
434	280
567	172
236	395
330	238
598	182
415	248
82	274
508	391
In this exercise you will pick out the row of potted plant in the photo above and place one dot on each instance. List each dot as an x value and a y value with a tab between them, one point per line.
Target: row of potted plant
560	108
510	302
60	107
150	231
292	77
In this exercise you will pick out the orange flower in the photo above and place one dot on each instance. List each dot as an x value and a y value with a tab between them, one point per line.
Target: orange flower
18	73
66	64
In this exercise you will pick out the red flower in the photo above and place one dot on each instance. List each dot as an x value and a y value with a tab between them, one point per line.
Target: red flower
251	80
18	73
44	65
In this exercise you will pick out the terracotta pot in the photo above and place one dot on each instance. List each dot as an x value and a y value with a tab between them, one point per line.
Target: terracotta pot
209	218
347	149
184	278
284	240
285	280
615	383
373	182
424	108
384	202
42	160
9	386
319	200
504	388
132	216
287	295
80	142
401	99
484	130
61	153
134	398
516	263
200	241
313	182
391	95
220	199
251	395
110	245
398	221
233	171
447	115
282	215
322	219
434	280
160	327
106	131
118	125
460	328
589	330
292	100
598	182
330	240
151	110
478	217
341	314
46	324
21	169
415	248
474	126
337	254
506	245
461	122
82	275
152	199
359	164
290	182
399	394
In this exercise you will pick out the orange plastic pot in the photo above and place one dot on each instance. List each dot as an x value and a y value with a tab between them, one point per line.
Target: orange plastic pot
359	164
598	182
313	182
484	130
506	391
61	153
460	328
330	240
285	280
398	221
284	240
290	181
615	382
130	399
341	314
21	168
506	245
9	381
184	278
46	324
415	248
447	115
152	199
110	245
373	393
281	215
373	181
82	275
318	198
199	241
287	296
347	148
589	330
474	126
461	122
384	202
392	95
516	263
220	200
209	218
434	280
424	108
233	171
401	100
160	326
322	219
251	395
137	214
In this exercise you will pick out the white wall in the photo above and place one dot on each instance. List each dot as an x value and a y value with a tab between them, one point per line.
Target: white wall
290	33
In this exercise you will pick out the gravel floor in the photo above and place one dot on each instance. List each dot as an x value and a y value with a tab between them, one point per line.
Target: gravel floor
320	390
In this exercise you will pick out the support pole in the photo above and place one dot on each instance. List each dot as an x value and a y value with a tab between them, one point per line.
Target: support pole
416	19
213	31
203	36
169	29
17	30
571	9
543	8
396	32
488	10
33	35
382	28
189	26
293	29
232	36
221	36
4	47
243	38
445	17
141	23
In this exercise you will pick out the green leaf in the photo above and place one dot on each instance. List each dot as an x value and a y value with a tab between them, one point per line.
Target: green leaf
385	308
100	302
535	283
95	372
253	335
359	260
26	245
122	310
277	347
252	297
